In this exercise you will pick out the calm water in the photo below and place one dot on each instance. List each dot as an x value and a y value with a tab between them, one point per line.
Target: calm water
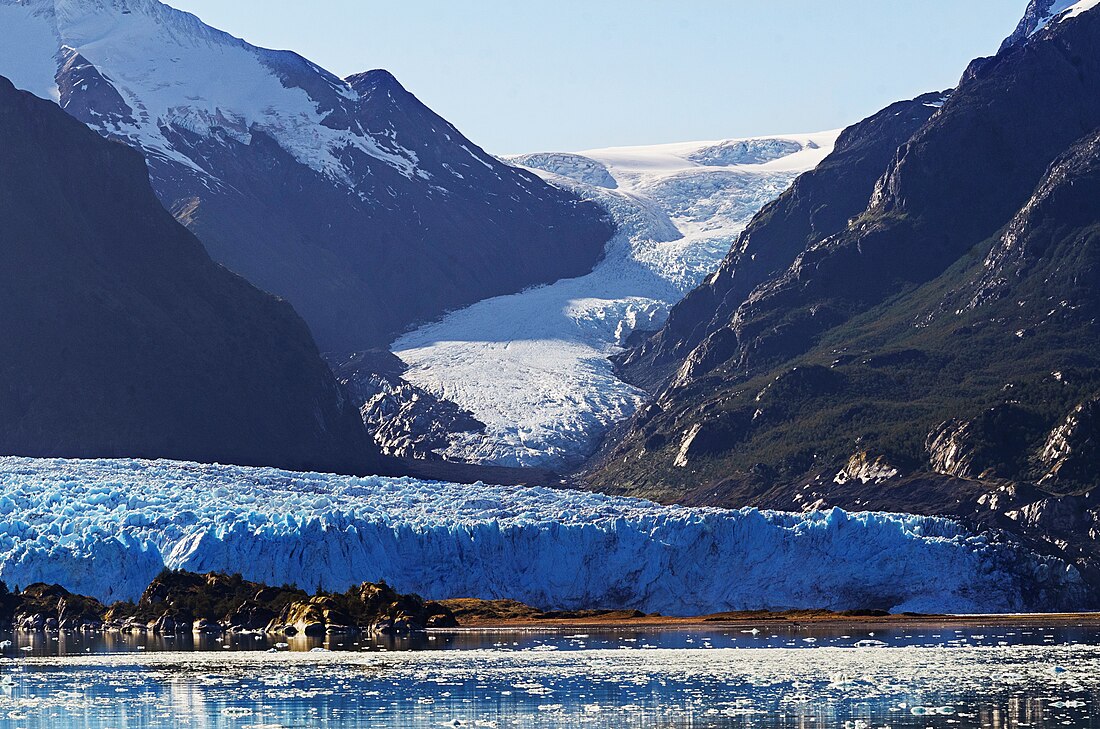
797	678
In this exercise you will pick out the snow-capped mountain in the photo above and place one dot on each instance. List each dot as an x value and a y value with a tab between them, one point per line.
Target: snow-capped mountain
347	197
96	528
1042	13
533	367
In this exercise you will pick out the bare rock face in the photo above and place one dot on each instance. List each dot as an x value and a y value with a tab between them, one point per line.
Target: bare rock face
369	607
252	615
404	420
992	444
949	450
1071	454
1038	14
867	468
51	607
182	602
714	435
311	617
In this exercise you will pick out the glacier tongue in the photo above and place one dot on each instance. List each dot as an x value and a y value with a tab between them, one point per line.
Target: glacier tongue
534	366
106	527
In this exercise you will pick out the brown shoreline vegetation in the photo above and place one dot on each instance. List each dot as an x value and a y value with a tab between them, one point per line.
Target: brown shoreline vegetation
179	602
509	614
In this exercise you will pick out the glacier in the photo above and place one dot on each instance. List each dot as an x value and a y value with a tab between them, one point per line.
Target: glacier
107	527
534	366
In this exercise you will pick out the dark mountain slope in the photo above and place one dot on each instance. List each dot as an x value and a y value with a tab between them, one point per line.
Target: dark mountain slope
122	337
953	184
941	355
976	396
349	198
819	204
362	262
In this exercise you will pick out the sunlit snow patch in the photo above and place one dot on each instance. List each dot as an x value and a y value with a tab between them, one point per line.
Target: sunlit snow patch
175	73
1062	10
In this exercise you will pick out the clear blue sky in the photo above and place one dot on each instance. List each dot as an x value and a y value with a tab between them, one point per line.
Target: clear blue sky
529	75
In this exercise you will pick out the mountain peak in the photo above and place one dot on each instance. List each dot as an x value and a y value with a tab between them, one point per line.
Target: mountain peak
377	83
378	77
187	77
1041	13
333	180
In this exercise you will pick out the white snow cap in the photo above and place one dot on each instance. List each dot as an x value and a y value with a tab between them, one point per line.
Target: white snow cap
172	70
1062	10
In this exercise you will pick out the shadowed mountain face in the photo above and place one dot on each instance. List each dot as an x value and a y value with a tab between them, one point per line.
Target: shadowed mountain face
349	198
934	350
123	338
819	204
362	263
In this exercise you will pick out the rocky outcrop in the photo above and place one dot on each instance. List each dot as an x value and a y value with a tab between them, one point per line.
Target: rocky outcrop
179	602
950	449
184	602
50	607
1071	454
315	616
993	444
404	420
375	608
867	469
123	338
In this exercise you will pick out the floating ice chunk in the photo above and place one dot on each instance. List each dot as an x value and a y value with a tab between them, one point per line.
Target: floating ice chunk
870	644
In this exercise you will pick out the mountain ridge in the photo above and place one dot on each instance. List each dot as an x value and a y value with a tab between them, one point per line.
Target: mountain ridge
349	198
124	337
936	354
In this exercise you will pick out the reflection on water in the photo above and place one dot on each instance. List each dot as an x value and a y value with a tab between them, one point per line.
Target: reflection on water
793	635
797	678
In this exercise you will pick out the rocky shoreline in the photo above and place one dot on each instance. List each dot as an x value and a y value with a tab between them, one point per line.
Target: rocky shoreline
179	602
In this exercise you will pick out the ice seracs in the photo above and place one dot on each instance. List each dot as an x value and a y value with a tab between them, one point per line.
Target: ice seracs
106	528
533	367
